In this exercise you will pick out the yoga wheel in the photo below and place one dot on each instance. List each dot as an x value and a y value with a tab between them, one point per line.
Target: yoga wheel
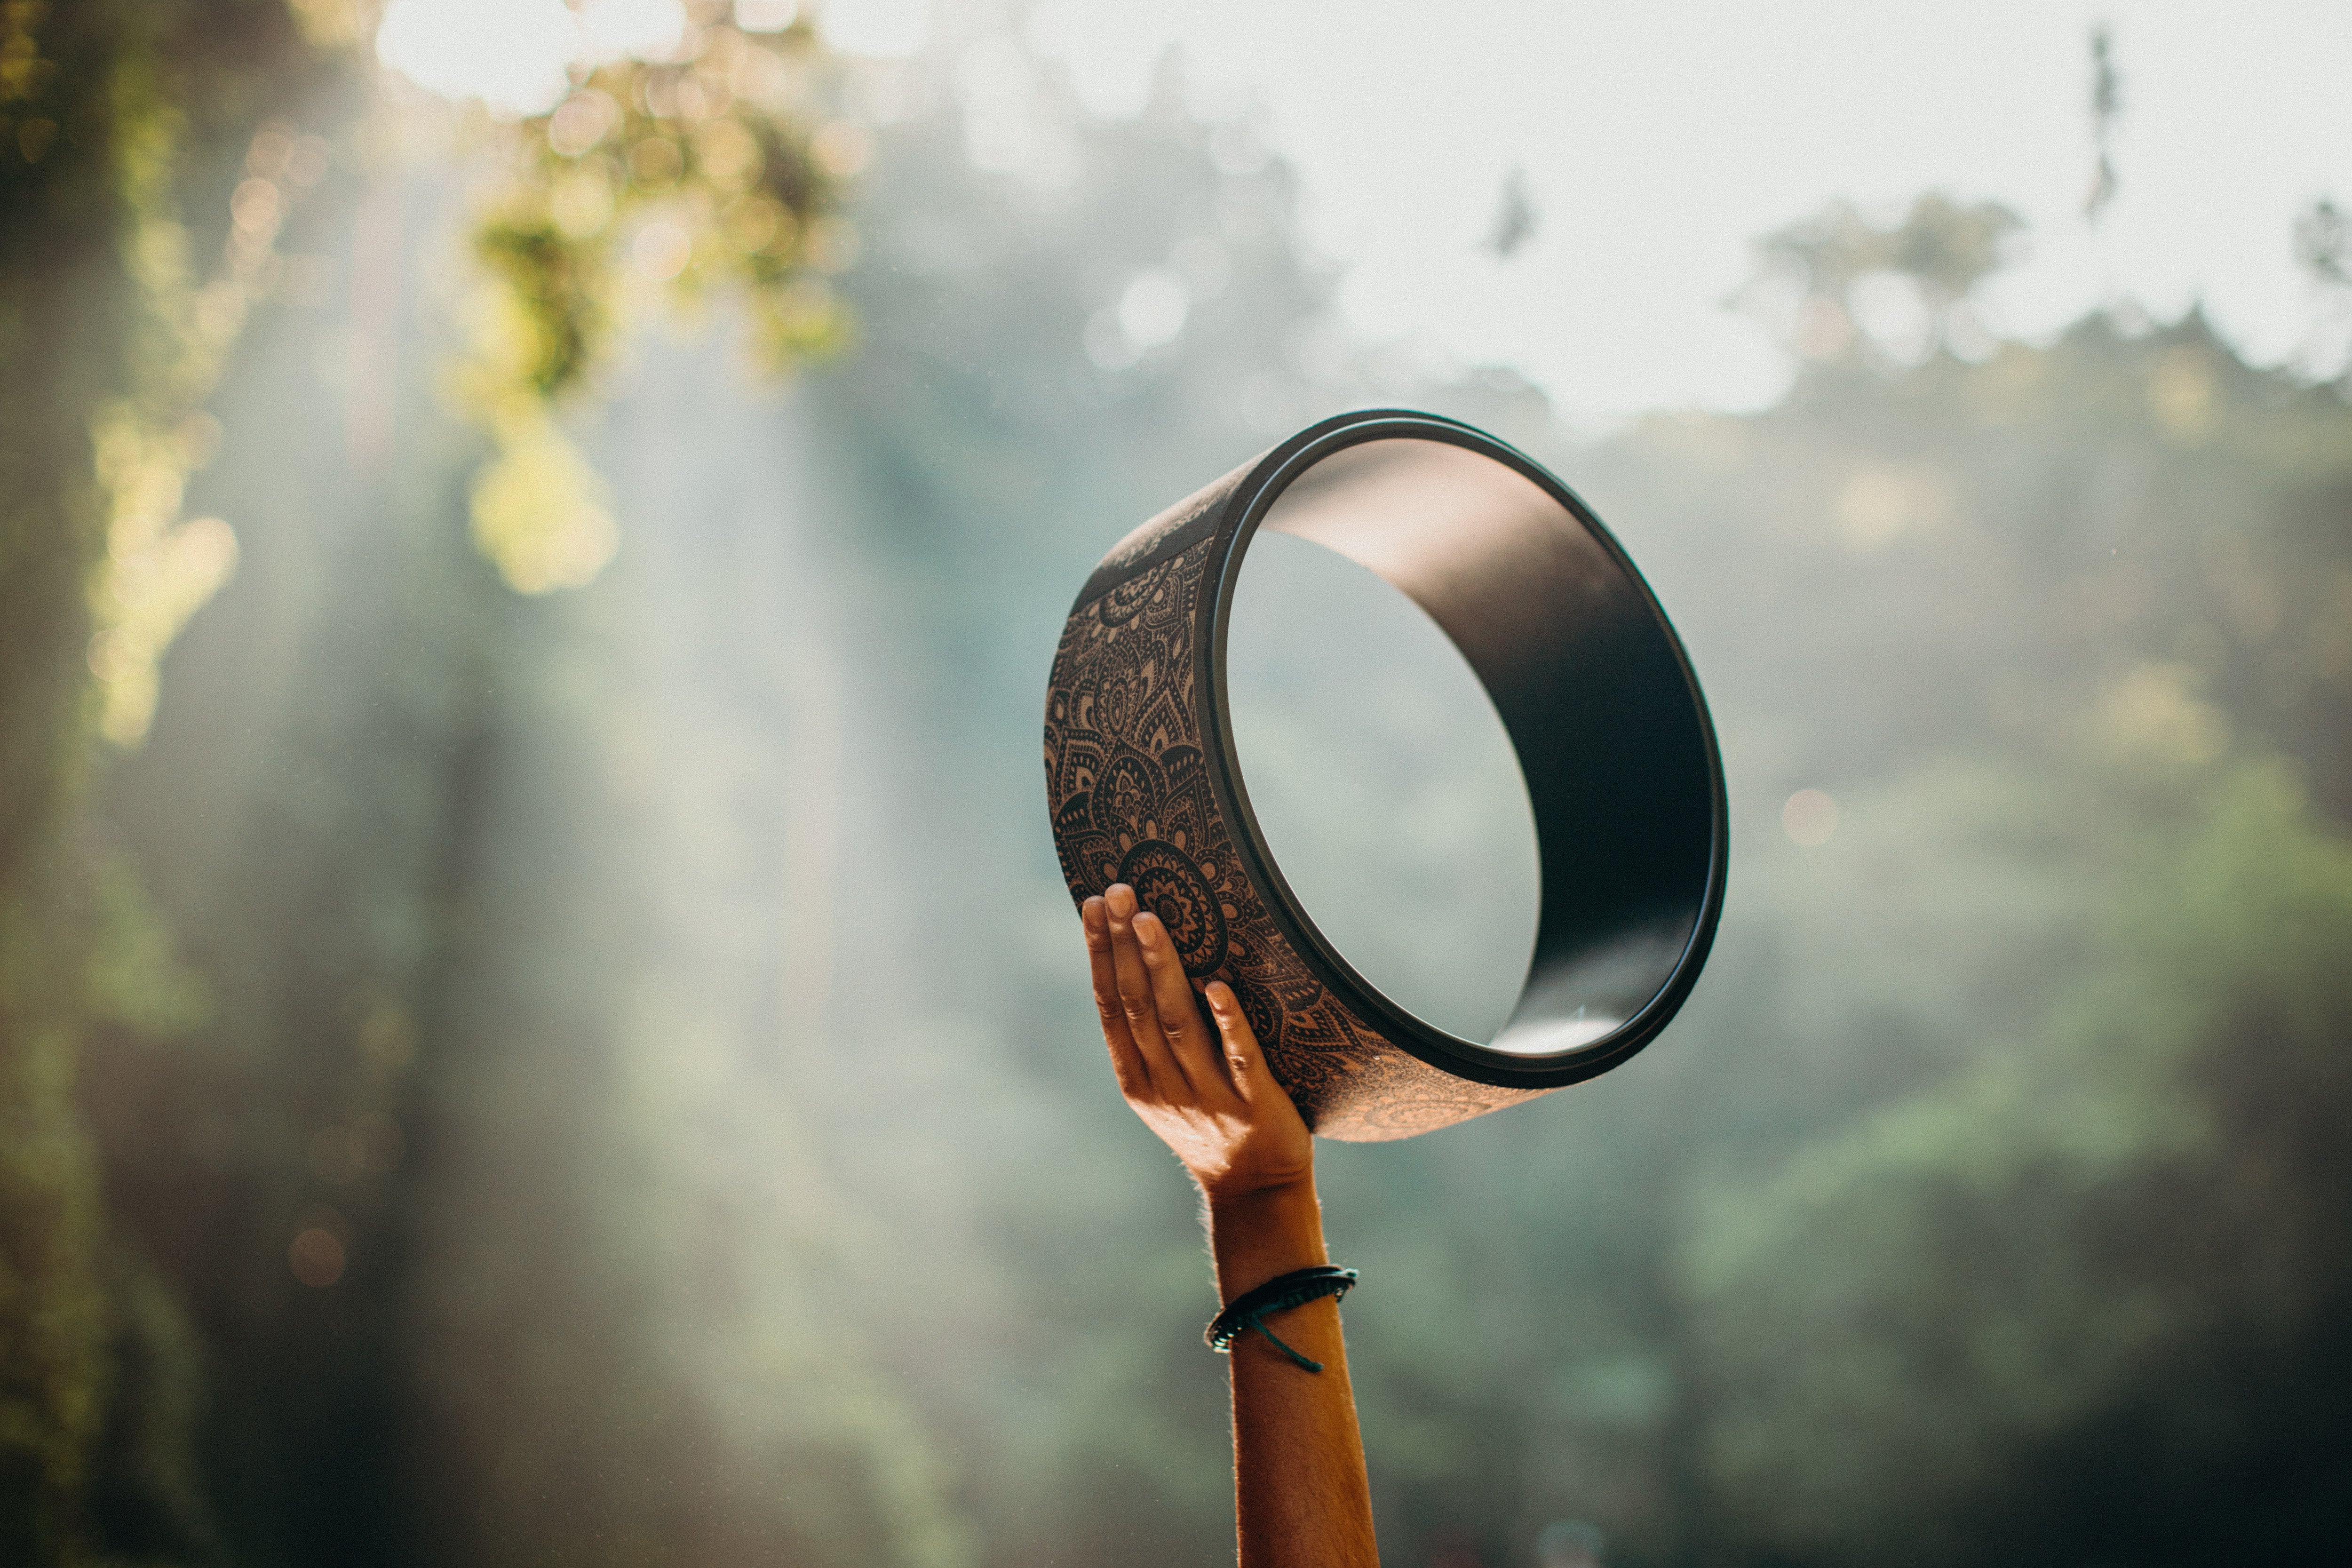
1591	686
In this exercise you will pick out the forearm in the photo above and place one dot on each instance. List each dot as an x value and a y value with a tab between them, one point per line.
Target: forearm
1300	1485
1300	1493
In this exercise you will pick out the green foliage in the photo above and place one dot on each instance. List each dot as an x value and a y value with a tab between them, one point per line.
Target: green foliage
2018	610
545	961
716	169
51	1389
1945	1294
1961	1274
562	291
1948	247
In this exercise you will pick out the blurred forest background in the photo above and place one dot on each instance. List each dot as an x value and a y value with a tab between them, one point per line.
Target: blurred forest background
603	1076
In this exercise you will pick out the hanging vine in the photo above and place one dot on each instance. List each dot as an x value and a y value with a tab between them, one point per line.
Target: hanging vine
716	165
146	176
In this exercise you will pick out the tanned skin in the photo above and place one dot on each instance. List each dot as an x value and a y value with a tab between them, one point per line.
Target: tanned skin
1301	1498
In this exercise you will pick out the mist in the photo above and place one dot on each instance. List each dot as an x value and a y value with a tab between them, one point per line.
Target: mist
661	998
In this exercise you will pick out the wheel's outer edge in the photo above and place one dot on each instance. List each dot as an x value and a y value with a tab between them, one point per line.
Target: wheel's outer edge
1142	787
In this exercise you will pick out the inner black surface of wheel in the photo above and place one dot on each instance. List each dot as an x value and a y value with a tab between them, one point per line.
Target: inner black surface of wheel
1611	732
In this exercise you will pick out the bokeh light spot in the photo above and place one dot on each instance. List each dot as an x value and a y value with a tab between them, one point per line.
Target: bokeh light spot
841	148
586	119
661	250
655	160
726	152
257	207
316	1257
538	512
1152	309
766	16
1809	817
756	222
581	202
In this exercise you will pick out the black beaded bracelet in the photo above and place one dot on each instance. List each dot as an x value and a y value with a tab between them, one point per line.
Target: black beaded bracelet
1279	1294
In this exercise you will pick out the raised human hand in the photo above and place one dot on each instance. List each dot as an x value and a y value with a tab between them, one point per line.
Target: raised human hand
1300	1496
1209	1097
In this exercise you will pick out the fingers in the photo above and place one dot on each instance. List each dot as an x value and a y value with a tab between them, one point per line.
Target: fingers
1245	1062
1136	1004
1189	1040
1126	1062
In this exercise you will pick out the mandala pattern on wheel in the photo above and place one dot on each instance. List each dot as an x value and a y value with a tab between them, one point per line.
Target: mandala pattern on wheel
1129	793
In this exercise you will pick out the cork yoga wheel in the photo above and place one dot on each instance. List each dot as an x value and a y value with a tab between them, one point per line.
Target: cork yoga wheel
1591	686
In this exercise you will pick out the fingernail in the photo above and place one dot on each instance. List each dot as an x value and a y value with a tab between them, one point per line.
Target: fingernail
1117	895
1147	927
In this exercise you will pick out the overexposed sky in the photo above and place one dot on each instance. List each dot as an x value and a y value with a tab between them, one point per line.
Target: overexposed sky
1659	140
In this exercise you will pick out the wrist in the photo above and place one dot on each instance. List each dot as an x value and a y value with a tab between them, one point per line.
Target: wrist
1259	1235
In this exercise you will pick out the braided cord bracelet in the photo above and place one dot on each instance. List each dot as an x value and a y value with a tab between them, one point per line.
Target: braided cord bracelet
1279	1294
